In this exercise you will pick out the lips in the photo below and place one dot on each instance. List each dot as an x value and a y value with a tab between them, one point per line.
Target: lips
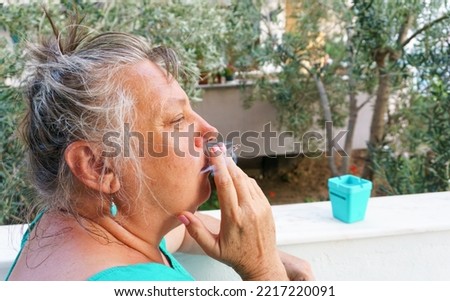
206	168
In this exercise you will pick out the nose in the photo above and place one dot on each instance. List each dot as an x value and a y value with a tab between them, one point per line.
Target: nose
207	132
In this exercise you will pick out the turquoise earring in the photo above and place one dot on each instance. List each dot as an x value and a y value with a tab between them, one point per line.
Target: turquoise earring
113	209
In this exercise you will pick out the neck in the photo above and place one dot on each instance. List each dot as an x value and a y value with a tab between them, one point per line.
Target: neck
124	234
141	230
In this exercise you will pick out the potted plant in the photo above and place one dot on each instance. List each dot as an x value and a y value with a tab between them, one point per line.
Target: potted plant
228	72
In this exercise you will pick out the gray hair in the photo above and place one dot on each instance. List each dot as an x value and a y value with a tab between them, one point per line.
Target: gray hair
73	94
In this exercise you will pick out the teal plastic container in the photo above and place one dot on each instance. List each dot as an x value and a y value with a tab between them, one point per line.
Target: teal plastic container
349	196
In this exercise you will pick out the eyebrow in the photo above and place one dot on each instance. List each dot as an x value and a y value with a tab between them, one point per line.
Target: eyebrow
180	99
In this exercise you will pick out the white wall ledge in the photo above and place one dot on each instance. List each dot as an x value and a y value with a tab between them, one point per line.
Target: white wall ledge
386	216
402	238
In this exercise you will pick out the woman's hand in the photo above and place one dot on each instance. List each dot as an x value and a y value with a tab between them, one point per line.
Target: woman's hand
297	269
246	240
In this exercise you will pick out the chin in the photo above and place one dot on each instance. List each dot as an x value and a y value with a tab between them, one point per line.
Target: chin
204	194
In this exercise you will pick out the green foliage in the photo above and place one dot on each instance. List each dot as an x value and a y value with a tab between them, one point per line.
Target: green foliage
365	41
421	161
399	173
242	33
378	22
301	54
15	194
195	30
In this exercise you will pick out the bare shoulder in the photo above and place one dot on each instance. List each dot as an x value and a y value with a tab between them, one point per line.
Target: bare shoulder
59	248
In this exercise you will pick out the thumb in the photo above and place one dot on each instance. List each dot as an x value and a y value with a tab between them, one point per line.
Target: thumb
198	231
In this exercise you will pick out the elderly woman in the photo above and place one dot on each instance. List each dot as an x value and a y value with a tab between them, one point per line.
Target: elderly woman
117	213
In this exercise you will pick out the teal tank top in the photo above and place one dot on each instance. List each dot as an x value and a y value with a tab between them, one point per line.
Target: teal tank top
150	271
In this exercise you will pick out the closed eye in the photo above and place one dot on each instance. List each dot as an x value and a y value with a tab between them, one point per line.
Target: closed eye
178	120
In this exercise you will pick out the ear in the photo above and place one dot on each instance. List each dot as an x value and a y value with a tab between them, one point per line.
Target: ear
87	165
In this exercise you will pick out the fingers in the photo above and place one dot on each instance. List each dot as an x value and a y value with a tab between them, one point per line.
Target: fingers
239	178
252	189
296	268
232	182
256	190
226	191
246	239
240	181
200	233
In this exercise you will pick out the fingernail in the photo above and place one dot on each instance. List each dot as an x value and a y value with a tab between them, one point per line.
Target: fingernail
223	148
214	149
184	220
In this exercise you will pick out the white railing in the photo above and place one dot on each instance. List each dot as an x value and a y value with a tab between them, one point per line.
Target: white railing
402	238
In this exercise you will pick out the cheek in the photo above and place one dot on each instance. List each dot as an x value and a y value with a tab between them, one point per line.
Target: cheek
177	183
182	174
179	177
174	168
185	154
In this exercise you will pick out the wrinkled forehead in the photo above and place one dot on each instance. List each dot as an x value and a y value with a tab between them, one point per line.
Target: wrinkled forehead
151	88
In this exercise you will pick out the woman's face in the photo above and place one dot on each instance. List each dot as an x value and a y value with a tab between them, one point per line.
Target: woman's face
174	137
